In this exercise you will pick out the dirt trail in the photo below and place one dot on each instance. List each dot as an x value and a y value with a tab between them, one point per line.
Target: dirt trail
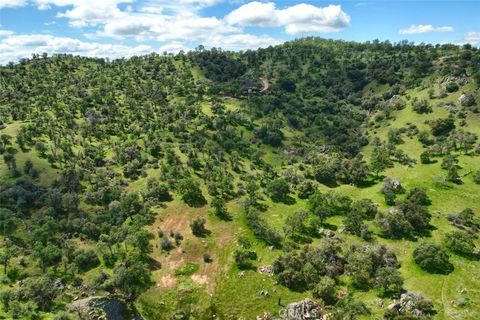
265	84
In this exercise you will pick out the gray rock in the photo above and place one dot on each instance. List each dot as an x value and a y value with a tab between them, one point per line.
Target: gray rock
466	100
393	306
306	309
267	269
99	307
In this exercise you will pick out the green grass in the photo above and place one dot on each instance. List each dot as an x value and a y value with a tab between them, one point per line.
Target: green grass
463	283
237	293
47	173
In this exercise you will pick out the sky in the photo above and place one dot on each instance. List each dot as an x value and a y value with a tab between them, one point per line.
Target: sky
124	28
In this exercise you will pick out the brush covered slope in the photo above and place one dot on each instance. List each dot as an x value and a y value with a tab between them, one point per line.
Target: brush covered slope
224	185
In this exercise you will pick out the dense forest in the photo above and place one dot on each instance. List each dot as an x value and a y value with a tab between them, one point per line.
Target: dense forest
333	176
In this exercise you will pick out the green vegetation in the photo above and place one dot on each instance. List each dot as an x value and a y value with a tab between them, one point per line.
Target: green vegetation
215	184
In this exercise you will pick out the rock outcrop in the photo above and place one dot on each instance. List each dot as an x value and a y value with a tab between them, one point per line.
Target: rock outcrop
412	303
467	100
101	308
306	309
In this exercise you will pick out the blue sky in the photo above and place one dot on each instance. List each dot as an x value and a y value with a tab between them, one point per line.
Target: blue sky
116	28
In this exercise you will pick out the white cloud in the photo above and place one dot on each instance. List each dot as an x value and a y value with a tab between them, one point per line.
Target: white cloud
15	47
86	12
295	19
173	47
472	36
176	7
424	28
178	25
4	33
165	28
12	3
241	41
254	14
159	20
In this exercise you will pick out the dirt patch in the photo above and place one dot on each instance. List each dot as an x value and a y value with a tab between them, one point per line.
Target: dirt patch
177	217
167	281
265	84
199	279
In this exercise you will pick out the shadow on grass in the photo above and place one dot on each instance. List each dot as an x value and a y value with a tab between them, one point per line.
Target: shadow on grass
205	233
289	200
368	183
153	264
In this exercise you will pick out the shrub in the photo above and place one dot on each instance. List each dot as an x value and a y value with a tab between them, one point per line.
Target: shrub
418	196
452	87
306	189
278	189
460	243
476	177
207	258
442	127
178	237
86	259
187	270
191	193
261	229
432	258
198	227
389	280
243	258
425	157
325	290
166	244
421	106
392	185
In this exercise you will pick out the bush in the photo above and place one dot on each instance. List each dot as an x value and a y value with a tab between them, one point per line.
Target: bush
302	269
243	258
432	258
442	127
392	185
278	189
178	237
460	243
41	290
350	309
418	196
421	106
306	189
325	290
166	244
452	87
476	177
157	192
425	157
198	227
187	270
86	259
389	280
261	229
363	262
366	208
191	193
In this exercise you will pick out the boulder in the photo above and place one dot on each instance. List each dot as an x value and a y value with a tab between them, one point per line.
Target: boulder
306	309
267	269
467	100
98	307
412	303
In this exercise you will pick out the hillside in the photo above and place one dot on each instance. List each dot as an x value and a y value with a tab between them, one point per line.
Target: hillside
226	185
